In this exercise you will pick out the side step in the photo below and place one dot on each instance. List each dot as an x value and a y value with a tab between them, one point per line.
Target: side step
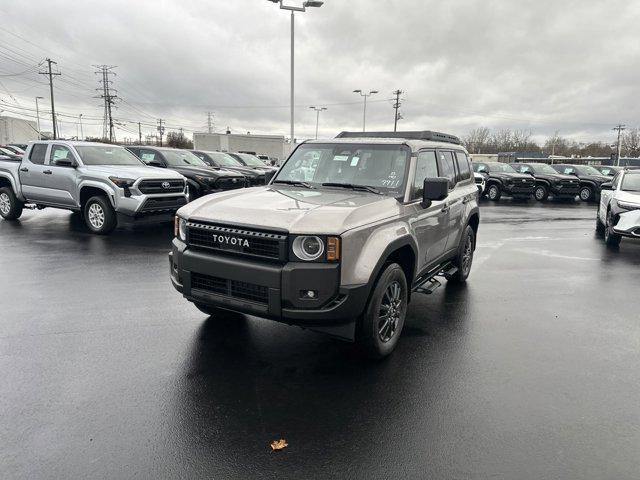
429	284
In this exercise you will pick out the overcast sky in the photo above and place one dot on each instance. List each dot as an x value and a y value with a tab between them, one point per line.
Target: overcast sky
571	66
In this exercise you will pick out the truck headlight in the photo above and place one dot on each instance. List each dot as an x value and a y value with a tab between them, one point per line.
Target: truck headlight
308	248
180	228
122	182
628	205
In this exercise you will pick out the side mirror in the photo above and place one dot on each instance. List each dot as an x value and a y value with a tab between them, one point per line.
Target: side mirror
63	162
155	163
434	189
606	186
268	175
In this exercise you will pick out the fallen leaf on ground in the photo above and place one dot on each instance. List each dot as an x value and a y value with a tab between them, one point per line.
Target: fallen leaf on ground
279	444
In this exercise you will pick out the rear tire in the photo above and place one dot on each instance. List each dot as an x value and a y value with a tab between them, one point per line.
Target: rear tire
494	193
586	193
464	258
380	325
600	227
10	206
99	215
541	193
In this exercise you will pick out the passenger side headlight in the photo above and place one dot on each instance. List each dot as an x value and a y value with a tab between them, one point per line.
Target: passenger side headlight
180	228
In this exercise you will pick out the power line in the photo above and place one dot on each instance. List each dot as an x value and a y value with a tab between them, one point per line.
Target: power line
109	100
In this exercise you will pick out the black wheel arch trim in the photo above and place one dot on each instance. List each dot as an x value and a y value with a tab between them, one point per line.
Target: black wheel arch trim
388	251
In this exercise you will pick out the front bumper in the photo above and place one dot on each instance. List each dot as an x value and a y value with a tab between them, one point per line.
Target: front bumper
269	290
564	190
628	224
517	190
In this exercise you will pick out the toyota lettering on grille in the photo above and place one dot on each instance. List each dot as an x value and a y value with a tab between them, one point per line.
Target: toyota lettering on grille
166	184
225	240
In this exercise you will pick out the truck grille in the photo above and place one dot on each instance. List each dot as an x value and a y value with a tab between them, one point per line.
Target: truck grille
230	288
478	180
229	183
236	241
161	186
161	204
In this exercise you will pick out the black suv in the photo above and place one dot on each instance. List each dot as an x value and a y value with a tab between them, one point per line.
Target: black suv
226	161
591	180
201	178
502	179
549	181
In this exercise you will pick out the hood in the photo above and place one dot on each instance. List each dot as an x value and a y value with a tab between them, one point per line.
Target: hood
204	171
130	171
596	178
556	176
250	172
506	175
631	197
297	210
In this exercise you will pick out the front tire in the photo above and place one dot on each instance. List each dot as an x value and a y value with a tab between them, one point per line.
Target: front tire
381	324
586	193
464	258
611	238
494	193
100	216
541	193
10	206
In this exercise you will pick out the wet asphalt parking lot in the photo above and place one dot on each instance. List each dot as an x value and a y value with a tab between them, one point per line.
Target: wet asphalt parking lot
530	371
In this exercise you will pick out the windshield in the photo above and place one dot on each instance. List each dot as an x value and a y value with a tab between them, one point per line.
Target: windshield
587	170
545	169
106	155
501	167
631	182
383	167
222	158
251	160
179	158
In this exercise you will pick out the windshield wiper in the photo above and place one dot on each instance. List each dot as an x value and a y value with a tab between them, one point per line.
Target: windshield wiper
353	187
294	182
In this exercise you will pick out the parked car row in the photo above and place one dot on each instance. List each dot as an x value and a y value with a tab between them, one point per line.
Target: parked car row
541	180
112	185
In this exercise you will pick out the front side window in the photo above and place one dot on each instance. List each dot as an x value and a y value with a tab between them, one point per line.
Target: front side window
59	152
383	167
38	153
106	155
447	169
426	167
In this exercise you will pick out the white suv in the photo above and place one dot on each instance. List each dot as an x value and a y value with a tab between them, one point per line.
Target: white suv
619	209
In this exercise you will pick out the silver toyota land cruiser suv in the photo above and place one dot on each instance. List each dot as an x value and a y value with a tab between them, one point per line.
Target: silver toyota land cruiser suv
339	240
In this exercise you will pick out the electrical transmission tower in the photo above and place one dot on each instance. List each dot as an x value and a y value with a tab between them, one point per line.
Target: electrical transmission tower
619	128
50	74
396	107
109	95
210	122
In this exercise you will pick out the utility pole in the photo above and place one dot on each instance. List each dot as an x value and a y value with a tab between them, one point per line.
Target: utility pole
139	134
396	107
38	117
160	129
109	96
81	132
210	122
50	74
318	110
620	127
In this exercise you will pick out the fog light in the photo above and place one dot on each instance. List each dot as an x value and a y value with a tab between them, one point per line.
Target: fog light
308	294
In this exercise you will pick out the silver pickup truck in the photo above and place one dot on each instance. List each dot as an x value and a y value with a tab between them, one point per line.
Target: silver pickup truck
106	183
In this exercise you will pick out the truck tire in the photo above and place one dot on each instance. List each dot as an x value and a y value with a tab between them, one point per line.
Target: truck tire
99	215
610	238
380	325
10	206
586	193
599	225
541	193
493	192
464	257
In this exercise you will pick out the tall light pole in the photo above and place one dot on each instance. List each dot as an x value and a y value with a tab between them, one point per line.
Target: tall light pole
293	9
619	128
318	110
38	117
364	113
81	133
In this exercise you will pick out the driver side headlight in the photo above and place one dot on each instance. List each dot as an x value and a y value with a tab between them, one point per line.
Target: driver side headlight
180	228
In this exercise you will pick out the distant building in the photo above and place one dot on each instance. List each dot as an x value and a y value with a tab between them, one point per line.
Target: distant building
271	145
17	130
484	157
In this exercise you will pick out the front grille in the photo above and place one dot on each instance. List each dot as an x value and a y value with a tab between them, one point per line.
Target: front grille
230	288
161	186
478	180
236	241
229	183
159	204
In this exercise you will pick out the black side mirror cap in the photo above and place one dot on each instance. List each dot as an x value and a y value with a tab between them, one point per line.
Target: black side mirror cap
65	163
606	186
434	189
155	163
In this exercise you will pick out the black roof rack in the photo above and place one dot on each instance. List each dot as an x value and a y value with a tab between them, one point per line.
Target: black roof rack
416	135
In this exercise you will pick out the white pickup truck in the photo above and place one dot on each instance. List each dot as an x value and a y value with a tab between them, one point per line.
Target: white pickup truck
106	183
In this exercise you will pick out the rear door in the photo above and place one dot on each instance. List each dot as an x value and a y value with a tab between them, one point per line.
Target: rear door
62	181
460	192
32	176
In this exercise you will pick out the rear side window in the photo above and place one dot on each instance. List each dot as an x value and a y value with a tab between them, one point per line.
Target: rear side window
426	167
447	169
38	153
464	170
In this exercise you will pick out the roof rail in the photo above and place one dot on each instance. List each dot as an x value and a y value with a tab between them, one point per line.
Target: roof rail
415	135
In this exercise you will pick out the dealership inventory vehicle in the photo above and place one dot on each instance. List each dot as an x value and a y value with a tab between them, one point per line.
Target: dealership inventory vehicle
619	208
608	170
13	149
106	183
502	179
590	179
201	178
226	161
549	181
480	182
342	252
8	153
252	161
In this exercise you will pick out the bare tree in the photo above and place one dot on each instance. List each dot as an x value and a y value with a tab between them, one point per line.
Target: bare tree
477	139
178	140
631	142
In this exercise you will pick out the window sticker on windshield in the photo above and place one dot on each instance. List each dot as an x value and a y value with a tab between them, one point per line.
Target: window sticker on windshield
354	161
341	158
148	156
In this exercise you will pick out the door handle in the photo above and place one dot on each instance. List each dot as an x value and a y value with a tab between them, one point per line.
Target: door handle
24	169
47	172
